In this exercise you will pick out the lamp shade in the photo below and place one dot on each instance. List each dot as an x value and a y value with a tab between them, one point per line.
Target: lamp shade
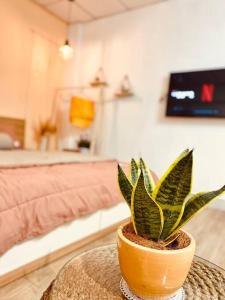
82	112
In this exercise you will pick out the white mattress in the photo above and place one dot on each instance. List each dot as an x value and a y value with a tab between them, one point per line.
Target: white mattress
25	157
62	236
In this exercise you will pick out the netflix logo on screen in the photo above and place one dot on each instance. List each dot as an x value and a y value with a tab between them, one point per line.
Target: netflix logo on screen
197	94
207	92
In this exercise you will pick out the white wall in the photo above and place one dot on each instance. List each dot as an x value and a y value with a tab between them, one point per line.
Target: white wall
29	65
148	44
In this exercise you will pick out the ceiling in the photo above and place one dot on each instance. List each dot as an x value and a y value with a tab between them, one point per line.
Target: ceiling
89	10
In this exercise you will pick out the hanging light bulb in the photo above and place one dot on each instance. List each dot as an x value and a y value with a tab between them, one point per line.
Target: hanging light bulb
66	51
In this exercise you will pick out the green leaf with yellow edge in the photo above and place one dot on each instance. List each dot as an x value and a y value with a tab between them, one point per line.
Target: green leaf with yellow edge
147	215
171	239
195	204
125	186
134	170
149	181
172	189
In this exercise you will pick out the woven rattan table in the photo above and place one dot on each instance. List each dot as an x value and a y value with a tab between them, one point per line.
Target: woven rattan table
96	275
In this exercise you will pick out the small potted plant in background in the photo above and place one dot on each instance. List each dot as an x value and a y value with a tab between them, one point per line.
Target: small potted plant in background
84	145
155	254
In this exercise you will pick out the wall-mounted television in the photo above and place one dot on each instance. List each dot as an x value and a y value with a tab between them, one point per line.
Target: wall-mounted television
197	94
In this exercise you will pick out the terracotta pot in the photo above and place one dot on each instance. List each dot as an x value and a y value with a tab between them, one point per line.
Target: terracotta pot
150	273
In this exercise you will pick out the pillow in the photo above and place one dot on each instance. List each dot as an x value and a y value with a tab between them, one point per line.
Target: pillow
6	142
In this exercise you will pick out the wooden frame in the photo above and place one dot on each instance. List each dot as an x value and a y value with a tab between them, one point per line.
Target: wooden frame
15	128
38	263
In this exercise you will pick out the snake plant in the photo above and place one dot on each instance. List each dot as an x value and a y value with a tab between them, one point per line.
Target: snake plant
159	210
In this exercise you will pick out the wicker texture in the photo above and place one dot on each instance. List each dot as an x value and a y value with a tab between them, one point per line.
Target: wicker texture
96	275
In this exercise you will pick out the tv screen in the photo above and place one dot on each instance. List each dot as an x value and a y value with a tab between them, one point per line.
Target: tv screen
197	94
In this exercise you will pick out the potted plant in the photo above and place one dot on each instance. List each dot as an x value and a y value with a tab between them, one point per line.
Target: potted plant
155	254
84	145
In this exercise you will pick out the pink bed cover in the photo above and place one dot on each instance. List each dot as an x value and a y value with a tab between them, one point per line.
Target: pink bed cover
37	199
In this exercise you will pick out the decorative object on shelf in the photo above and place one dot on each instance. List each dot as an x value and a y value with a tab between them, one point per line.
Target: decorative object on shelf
125	90
82	112
66	51
42	134
155	255
99	79
84	144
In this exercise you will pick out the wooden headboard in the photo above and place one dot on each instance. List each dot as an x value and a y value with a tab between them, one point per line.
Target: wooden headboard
13	127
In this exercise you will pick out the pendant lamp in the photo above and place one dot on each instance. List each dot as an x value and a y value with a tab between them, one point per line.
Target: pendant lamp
66	51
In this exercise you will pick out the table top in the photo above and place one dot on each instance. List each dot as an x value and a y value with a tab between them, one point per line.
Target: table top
96	275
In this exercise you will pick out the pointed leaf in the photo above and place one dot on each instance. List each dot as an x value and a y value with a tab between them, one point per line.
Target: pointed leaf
146	213
172	189
126	187
134	171
171	239
197	203
149	181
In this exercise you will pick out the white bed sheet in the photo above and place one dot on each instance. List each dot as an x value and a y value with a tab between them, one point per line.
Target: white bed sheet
25	157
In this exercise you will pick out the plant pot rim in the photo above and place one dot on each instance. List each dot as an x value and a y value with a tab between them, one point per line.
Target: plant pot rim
148	249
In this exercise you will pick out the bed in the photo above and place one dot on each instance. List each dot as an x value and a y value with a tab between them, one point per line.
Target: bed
51	203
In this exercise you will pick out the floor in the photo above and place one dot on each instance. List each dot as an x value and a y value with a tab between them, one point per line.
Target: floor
208	229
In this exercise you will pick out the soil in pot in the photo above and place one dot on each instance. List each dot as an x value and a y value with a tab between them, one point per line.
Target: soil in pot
182	241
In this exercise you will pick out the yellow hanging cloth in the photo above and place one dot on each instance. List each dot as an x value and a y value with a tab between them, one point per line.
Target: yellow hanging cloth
82	112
